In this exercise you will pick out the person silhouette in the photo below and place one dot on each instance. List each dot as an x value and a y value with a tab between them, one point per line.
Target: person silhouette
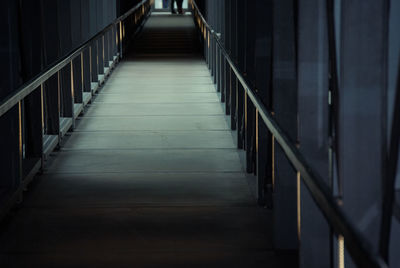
179	4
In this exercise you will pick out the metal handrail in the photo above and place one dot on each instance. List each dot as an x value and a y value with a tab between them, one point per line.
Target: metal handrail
12	99
358	247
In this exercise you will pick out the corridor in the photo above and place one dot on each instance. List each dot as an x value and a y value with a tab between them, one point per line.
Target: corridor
150	175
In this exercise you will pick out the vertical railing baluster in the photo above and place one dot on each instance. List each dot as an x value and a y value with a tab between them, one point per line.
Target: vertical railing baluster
223	78
218	80
262	160
215	51
42	123
215	57
212	53
250	133
120	40
72	92
20	151
233	92
227	88
59	105
208	48
106	58
239	113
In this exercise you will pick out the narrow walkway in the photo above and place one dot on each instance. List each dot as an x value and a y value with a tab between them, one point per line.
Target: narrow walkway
150	177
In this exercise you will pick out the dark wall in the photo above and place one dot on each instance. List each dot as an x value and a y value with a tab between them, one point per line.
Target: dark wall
124	5
36	33
9	48
328	71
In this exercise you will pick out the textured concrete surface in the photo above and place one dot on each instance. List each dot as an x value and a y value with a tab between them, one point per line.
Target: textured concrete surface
155	109
153	123
149	178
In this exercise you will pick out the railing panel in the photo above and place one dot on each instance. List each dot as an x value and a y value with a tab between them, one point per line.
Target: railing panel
255	111
76	77
250	144
39	113
100	56
240	113
94	65
86	75
227	88
232	100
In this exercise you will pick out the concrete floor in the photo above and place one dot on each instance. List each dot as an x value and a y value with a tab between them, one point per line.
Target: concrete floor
150	177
